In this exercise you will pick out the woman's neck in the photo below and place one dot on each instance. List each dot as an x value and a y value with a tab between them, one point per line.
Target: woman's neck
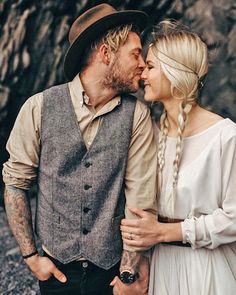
198	120
172	110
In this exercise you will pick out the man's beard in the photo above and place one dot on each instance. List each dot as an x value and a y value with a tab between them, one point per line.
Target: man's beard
118	79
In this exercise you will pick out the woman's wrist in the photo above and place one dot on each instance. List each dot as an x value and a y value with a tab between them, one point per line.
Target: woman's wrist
171	232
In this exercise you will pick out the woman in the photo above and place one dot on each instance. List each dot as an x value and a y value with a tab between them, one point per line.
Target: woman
195	235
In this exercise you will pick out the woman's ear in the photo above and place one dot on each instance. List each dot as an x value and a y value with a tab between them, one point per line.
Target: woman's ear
105	53
177	93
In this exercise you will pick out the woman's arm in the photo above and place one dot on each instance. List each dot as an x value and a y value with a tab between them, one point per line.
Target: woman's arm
218	227
207	230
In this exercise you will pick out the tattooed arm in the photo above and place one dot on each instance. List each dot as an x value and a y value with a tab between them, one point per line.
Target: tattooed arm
130	261
20	221
133	262
19	218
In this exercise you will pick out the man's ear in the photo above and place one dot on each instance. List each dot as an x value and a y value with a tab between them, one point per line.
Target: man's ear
105	53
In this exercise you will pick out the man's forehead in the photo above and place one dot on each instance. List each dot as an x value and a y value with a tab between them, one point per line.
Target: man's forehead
133	42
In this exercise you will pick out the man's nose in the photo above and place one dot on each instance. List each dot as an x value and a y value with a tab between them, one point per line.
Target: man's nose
141	62
143	75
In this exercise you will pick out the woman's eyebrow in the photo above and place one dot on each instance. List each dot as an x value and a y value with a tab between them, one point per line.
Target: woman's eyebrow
149	62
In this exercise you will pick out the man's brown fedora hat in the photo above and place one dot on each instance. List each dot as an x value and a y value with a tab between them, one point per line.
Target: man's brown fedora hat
92	23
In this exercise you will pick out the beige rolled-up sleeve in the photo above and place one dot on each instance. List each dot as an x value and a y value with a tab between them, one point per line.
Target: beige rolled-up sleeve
23	145
140	177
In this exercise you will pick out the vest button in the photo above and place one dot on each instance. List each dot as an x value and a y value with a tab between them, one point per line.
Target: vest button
86	187
85	264
86	209
87	164
85	231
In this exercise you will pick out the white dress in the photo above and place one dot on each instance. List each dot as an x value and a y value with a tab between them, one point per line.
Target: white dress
206	201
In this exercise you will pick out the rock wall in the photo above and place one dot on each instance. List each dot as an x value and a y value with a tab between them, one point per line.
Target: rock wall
33	43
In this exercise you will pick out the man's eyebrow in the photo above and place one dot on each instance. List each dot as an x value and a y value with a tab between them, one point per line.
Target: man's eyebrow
138	49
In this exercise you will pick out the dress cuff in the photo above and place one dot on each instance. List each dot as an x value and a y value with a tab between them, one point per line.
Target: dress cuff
188	232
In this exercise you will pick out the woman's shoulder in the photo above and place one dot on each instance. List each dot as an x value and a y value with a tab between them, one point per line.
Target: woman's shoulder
228	130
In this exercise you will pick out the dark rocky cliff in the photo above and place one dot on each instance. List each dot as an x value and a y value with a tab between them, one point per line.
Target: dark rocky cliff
33	42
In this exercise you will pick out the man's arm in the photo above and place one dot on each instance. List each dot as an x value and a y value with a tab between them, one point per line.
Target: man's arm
140	192
140	177
130	261
20	218
134	262
20	221
19	172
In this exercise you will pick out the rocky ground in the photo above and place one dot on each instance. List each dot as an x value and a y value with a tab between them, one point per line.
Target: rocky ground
15	277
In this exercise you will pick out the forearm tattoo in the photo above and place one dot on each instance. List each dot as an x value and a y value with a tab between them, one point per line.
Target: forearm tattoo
19	218
130	261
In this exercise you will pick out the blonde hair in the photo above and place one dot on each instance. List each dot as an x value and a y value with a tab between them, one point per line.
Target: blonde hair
183	57
114	38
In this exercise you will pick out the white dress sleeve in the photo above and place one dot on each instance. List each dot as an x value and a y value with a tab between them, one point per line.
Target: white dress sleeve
219	227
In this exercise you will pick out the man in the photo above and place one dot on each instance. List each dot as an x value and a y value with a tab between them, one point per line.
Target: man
90	147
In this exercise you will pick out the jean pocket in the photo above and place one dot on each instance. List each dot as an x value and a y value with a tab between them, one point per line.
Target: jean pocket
51	284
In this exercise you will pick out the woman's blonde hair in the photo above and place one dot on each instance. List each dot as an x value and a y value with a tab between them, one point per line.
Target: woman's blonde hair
183	57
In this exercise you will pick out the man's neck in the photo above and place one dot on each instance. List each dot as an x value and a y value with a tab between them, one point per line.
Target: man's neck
97	93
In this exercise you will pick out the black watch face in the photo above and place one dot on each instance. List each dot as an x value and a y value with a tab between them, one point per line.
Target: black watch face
127	277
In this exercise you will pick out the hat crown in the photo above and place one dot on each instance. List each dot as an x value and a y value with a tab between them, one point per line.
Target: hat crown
88	18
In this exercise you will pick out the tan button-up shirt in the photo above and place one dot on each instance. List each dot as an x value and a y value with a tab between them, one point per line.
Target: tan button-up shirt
24	146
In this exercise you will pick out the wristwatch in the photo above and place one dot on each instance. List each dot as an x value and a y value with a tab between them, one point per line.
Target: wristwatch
128	277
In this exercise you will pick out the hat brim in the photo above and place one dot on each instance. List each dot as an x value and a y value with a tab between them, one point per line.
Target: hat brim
74	54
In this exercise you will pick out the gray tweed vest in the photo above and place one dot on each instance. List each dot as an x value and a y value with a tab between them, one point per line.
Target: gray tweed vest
81	191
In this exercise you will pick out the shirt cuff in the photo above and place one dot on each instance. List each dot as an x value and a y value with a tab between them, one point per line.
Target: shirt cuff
9	180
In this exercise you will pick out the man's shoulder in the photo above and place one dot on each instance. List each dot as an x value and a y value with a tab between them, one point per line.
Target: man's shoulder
33	101
36	99
56	87
142	108
140	105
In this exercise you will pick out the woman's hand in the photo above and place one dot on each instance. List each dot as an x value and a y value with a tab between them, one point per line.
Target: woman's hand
146	231
142	232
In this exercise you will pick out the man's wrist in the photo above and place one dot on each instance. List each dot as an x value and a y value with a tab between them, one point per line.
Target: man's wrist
30	255
130	261
127	277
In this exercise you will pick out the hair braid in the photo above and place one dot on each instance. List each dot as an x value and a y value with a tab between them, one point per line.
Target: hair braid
164	127
182	118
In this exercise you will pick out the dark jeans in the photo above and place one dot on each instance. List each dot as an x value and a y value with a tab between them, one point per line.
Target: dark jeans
83	278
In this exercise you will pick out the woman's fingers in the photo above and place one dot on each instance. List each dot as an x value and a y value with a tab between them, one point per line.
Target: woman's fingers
129	229
130	236
135	242
130	222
